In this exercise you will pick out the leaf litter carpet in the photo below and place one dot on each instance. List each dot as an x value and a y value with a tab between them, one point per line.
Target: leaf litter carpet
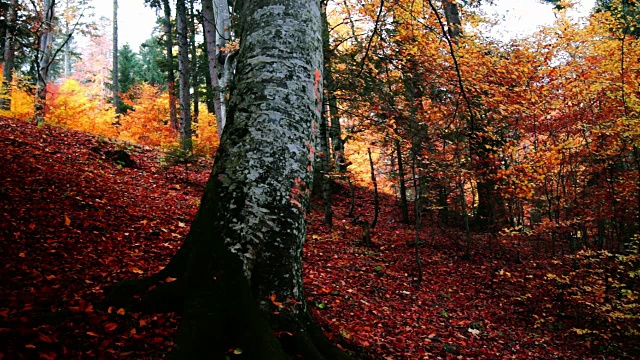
73	222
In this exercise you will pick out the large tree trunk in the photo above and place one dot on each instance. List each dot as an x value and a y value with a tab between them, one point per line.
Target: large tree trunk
8	58
243	277
44	60
184	78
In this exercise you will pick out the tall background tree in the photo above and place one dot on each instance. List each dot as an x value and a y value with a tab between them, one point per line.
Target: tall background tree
169	62
43	61
11	10
129	68
151	56
115	72
217	33
184	76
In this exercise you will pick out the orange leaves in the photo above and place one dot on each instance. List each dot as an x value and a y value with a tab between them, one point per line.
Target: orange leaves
136	270
147	122
72	106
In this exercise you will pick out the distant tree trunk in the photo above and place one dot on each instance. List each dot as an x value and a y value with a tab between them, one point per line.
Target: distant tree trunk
490	205
171	77
636	156
376	201
443	204
209	93
225	60
452	16
194	62
8	58
404	207
323	168
243	280
115	71
209	25
67	58
335	131
184	78
67	45
216	22
491	214
417	205
44	59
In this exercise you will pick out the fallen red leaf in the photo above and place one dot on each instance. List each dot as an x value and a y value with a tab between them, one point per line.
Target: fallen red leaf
45	338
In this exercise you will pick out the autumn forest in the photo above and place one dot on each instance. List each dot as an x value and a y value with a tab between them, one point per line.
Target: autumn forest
334	179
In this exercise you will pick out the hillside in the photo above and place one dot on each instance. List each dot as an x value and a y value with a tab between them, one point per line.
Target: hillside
73	220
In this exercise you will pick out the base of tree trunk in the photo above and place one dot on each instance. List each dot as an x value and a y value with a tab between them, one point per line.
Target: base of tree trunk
224	319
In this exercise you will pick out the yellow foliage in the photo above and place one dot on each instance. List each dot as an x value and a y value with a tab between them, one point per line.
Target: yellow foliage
22	102
206	135
148	123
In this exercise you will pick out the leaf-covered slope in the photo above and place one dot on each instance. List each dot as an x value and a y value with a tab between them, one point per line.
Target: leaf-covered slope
72	221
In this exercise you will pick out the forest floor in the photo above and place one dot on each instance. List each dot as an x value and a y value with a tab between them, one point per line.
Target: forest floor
73	220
